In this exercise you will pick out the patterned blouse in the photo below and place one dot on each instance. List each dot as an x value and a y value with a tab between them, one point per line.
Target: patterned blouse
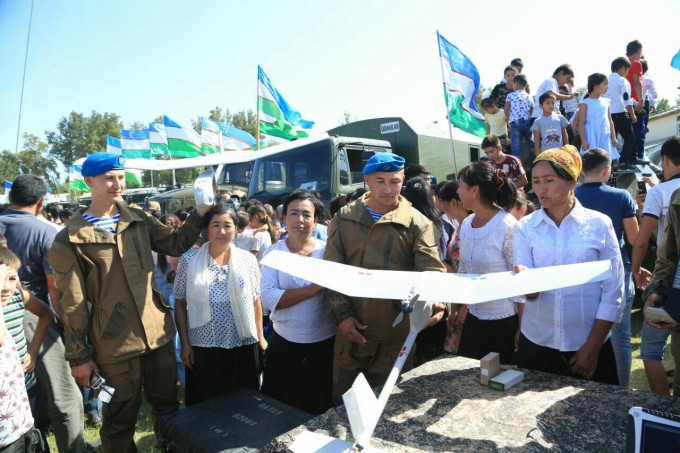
221	330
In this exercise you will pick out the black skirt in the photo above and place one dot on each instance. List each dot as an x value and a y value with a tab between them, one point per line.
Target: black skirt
217	371
300	374
481	337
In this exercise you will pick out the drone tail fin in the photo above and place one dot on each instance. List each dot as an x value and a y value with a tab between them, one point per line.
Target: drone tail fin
362	410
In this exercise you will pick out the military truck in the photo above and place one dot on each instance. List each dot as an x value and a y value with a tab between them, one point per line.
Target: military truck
442	151
328	165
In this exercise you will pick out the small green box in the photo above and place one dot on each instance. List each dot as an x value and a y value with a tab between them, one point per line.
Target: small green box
506	379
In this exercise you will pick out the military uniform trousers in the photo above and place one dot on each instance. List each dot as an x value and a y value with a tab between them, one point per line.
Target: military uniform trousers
156	372
375	360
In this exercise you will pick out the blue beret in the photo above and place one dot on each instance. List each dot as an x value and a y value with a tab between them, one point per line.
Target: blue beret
99	163
386	162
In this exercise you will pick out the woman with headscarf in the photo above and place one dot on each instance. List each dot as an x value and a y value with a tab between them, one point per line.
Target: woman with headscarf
218	312
566	331
486	246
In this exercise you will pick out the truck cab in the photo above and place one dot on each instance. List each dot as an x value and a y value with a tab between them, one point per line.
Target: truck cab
329	165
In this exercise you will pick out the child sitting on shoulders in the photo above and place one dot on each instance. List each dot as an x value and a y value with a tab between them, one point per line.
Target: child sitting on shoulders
550	129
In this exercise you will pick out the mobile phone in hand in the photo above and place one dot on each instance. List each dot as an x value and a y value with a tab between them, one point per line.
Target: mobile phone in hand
642	186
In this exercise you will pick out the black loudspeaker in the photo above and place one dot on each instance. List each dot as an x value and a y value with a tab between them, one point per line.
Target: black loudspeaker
241	421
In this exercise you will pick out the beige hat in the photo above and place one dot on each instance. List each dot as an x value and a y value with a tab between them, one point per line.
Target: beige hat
153	206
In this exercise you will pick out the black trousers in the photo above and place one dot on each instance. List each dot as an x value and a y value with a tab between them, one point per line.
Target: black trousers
480	337
300	374
623	126
540	358
217	371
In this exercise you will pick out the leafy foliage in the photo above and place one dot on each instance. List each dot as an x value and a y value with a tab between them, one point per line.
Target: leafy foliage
78	135
33	159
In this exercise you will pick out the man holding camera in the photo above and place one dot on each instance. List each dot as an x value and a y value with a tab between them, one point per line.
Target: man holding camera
116	322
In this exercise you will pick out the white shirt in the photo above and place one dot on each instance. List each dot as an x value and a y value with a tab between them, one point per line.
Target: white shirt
618	93
261	240
244	240
221	330
304	322
649	90
562	319
658	201
488	249
547	85
15	412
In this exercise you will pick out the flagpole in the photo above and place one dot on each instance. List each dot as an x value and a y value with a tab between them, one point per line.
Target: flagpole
257	109
448	120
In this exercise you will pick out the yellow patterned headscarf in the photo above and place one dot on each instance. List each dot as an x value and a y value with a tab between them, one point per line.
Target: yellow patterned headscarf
566	157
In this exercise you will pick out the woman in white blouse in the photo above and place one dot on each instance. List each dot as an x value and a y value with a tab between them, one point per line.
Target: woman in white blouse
566	331
300	357
486	246
218	312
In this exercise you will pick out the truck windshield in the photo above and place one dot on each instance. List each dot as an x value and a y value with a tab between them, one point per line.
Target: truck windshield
235	175
307	168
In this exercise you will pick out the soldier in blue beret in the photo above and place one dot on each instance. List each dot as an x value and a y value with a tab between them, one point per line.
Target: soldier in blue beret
381	230
115	320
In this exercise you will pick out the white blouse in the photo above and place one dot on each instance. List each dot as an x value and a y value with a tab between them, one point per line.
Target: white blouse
562	319
221	330
304	322
488	249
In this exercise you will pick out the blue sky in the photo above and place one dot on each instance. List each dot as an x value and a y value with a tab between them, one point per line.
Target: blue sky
141	59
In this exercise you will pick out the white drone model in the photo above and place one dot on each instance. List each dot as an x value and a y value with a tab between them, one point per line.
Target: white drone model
422	290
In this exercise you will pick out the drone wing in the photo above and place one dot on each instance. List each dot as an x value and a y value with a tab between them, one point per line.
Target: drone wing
435	286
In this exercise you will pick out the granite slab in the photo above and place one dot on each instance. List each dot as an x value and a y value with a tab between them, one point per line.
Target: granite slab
441	407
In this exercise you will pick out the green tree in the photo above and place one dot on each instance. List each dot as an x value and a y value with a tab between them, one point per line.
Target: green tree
78	135
137	126
480	94
663	105
32	159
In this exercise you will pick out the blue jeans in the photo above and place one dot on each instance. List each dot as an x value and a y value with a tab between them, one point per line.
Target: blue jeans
654	343
520	129
621	332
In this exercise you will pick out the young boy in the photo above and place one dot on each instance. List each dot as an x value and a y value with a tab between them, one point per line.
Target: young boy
622	111
501	91
550	130
518	108
496	123
16	422
501	161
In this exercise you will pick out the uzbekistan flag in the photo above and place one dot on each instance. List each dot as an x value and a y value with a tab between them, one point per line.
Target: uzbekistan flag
182	141
75	177
461	83
276	117
135	144
158	139
211	137
235	139
113	145
8	187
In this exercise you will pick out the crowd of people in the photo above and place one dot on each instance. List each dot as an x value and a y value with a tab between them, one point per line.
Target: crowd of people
145	299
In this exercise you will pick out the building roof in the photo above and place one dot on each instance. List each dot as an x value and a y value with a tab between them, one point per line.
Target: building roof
674	111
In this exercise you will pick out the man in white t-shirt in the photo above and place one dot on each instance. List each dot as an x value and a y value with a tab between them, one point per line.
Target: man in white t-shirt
560	77
656	206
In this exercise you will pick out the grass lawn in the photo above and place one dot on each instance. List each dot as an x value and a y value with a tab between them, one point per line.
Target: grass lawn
146	440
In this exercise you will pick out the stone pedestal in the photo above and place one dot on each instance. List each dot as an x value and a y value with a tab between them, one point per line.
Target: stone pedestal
441	406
